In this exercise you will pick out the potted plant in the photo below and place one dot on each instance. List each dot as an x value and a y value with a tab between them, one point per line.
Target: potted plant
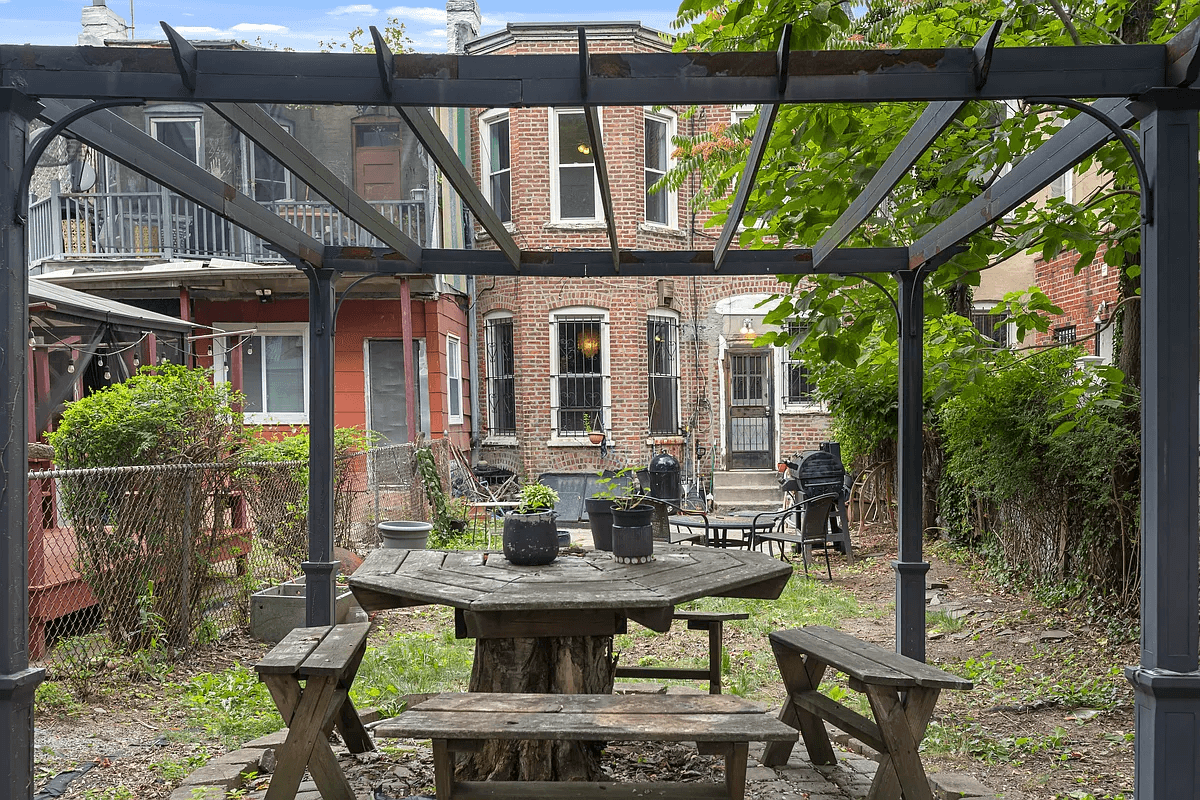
600	505
531	531
632	532
595	436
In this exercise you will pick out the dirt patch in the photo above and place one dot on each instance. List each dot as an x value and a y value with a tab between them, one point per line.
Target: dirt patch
1051	715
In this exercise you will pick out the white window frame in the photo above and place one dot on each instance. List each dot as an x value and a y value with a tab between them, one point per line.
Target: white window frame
454	382
486	121
248	150
1063	186
783	363
221	361
197	121
556	216
574	313
490	320
667	118
668	317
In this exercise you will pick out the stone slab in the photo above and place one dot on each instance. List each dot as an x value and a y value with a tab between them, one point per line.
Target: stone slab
226	770
957	786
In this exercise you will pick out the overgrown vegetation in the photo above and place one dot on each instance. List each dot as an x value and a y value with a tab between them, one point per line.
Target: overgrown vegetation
146	542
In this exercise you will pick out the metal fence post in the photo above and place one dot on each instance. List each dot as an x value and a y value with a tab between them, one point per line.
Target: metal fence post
189	544
1167	684
909	566
17	680
320	571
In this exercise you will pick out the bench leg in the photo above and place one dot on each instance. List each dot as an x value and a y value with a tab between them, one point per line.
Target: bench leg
715	637
308	713
735	755
799	674
349	725
443	769
902	726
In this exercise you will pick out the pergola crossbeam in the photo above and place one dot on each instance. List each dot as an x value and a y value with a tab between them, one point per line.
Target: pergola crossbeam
591	116
1075	141
623	79
116	138
452	167
596	264
929	126
295	157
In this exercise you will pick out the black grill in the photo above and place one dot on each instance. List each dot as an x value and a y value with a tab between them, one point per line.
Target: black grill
818	472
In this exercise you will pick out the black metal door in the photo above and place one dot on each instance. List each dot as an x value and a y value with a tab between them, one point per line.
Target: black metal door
750	426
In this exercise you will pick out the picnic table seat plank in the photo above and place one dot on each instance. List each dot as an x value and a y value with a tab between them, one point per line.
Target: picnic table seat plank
287	656
522	702
587	727
855	654
336	650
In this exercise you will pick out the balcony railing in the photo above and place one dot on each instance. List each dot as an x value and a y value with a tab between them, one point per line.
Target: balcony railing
161	224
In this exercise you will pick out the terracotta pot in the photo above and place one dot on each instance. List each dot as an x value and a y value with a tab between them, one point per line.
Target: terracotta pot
596	438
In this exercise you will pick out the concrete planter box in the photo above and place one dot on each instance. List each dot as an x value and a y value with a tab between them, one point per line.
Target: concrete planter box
275	611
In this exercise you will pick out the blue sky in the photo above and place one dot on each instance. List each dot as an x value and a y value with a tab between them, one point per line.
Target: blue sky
300	24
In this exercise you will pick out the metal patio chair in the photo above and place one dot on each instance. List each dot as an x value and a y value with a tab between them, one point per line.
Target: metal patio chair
811	525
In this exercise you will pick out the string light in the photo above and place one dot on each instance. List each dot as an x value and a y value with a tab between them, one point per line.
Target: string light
32	340
99	361
107	375
71	367
137	362
210	349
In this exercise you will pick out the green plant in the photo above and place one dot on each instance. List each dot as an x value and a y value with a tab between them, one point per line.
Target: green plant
621	488
51	696
231	704
109	793
150	526
536	498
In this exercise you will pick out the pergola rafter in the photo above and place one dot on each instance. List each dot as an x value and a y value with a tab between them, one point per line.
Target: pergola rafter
1147	82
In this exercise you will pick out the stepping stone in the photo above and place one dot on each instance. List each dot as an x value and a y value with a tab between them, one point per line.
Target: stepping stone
1055	635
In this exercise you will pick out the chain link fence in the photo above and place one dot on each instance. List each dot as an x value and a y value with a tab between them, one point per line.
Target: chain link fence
164	558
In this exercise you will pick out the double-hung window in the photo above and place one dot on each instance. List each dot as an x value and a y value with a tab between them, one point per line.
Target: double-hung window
501	367
1064	186
181	134
798	388
660	206
268	180
662	364
454	389
575	189
274	371
579	371
497	167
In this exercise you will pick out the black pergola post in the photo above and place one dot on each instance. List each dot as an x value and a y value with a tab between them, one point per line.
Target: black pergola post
320	571
1167	684
17	680
909	565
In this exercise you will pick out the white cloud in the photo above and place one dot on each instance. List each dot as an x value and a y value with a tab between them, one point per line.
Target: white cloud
361	10
434	15
197	30
433	34
493	22
255	27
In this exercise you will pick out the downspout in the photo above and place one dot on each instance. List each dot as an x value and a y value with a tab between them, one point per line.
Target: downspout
473	366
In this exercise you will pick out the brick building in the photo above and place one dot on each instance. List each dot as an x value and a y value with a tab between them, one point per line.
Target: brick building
666	363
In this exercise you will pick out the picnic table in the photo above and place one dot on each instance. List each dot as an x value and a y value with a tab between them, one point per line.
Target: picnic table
549	629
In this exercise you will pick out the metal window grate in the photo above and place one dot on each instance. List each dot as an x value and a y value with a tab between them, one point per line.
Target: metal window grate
662	359
580	378
992	326
501	380
1065	335
799	386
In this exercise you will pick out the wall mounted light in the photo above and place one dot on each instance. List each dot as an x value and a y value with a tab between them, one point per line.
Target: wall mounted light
264	295
747	328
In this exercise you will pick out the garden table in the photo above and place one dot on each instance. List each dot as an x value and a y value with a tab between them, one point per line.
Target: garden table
549	629
717	529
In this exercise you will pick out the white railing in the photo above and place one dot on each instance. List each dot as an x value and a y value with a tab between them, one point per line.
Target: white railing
161	224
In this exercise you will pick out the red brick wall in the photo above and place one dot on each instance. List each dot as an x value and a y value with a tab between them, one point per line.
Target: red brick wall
627	301
1079	295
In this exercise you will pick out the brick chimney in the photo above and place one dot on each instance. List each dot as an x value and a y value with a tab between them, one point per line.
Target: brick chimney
99	23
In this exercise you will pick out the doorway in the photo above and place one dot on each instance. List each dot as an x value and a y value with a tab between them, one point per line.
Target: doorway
749	416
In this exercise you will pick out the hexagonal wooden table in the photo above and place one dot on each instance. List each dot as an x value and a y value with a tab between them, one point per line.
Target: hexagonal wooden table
549	629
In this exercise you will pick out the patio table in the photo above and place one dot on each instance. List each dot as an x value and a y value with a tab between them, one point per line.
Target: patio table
549	629
717	529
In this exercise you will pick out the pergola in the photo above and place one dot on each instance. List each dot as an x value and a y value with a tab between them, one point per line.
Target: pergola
1146	83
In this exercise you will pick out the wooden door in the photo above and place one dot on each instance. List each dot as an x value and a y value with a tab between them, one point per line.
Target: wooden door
750	429
377	160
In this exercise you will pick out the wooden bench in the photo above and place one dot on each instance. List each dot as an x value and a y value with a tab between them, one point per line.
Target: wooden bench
714	623
902	693
719	724
326	659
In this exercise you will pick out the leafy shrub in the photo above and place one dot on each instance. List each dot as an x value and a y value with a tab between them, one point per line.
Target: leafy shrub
147	528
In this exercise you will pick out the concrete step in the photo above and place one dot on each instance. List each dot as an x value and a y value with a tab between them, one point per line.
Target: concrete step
746	478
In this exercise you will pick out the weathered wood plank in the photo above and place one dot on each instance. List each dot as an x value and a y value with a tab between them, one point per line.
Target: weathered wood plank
666	727
382	561
867	670
336	651
508	625
709	616
521	595
861	659
840	716
287	656
589	790
416	591
519	703
900	751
